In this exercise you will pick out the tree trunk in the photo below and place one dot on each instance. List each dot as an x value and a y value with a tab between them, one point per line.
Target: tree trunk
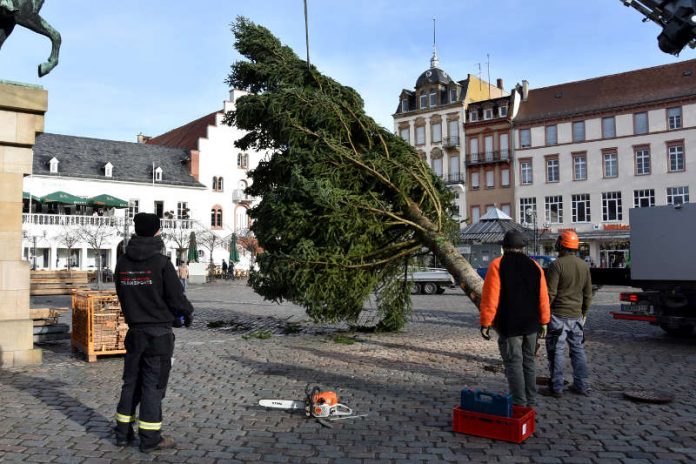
466	276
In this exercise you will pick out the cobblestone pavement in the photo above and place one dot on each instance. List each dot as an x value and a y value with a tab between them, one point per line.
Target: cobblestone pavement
407	383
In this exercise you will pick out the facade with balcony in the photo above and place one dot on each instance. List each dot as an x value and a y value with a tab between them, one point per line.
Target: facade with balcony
489	157
192	178
587	152
431	118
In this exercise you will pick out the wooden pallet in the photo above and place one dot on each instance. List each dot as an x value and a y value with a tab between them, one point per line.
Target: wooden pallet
57	282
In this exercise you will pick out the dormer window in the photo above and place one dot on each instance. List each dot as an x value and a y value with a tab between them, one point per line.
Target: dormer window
158	174
503	111
108	170
433	99
473	116
404	105
488	113
423	101
53	165
453	95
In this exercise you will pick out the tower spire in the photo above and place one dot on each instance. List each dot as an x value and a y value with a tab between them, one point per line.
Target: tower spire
435	60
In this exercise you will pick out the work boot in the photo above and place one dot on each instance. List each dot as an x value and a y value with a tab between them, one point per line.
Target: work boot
165	443
550	392
124	440
574	389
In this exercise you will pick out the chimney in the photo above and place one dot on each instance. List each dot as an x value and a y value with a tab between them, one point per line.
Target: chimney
499	83
525	90
194	166
143	138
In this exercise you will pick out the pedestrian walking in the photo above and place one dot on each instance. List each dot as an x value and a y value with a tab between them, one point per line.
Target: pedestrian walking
570	295
515	302
183	273
224	269
152	299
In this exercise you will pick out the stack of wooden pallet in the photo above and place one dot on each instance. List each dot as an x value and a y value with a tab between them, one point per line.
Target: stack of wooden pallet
58	282
46	325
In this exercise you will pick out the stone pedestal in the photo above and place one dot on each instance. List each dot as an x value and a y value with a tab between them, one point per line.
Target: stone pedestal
21	116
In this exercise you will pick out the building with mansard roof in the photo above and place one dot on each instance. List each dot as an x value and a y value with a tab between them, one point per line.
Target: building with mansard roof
192	177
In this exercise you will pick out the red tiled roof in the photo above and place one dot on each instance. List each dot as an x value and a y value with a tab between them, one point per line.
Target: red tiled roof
186	136
633	88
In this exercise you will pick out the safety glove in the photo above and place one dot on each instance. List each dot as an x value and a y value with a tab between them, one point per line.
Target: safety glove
543	331
486	332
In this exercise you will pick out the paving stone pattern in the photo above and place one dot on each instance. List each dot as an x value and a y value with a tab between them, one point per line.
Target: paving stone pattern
407	383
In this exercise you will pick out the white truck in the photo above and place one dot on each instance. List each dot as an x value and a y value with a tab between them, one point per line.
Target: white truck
663	266
430	280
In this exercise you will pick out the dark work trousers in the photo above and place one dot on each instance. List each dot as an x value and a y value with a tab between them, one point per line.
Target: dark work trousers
145	376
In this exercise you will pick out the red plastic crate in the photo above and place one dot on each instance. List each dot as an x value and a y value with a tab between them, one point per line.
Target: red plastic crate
515	429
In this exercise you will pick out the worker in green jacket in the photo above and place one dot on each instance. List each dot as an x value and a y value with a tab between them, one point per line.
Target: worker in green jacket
570	294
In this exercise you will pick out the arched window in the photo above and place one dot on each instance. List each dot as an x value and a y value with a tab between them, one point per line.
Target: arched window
216	217
215	184
242	160
220	184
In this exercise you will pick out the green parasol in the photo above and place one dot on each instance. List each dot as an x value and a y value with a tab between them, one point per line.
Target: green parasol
63	198
27	196
192	249
108	201
234	254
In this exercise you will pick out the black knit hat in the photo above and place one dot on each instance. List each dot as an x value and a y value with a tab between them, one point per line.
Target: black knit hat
514	239
146	224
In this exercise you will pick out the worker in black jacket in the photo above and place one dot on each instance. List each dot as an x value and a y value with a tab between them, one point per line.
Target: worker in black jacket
152	300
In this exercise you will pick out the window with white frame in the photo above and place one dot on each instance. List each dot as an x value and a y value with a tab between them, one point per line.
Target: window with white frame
433	99
581	207
674	118
182	211
551	135
436	132
423	101
579	131
505	177
473	115
676	157
552	170
53	165
526	176
453	132
609	127
437	166
473	149
643	198
640	123
677	195
502	111
242	160
580	166
453	95
475	180
420	135
108	170
475	214
158	174
404	105
506	208
554	209
525	138
642	157
611	164
454	168
405	134
490	178
504	146
133	208
488	113
527	204
611	206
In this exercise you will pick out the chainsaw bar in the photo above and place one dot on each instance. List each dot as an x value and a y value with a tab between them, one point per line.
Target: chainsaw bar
282	404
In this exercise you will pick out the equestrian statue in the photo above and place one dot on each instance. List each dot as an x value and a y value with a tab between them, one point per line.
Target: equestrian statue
26	13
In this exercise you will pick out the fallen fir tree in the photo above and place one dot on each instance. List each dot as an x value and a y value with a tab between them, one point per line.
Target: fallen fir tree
345	203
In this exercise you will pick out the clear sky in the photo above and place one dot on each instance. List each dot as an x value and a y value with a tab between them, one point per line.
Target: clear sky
149	66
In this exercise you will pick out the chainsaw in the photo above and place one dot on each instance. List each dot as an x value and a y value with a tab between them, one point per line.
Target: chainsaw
318	404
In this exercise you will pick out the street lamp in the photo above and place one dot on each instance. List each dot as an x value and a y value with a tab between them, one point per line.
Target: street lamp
34	238
531	212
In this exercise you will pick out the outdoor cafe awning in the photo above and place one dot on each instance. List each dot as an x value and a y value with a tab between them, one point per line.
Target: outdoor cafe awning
108	201
27	196
63	198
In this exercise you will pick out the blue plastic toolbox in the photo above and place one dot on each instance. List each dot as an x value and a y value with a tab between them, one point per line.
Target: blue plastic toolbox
495	404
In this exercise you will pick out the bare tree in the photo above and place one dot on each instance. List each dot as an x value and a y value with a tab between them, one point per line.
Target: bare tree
180	238
95	235
209	240
69	236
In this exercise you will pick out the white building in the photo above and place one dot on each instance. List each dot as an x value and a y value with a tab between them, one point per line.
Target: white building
192	177
432	117
588	151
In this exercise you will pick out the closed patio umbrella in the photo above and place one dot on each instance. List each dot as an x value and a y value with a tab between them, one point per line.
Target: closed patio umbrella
108	201
63	198
234	254
192	249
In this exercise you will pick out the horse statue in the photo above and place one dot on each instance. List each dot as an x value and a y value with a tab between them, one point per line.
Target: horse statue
26	13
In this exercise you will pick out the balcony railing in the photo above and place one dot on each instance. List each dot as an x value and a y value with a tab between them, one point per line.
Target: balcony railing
455	178
451	142
488	157
108	221
238	195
